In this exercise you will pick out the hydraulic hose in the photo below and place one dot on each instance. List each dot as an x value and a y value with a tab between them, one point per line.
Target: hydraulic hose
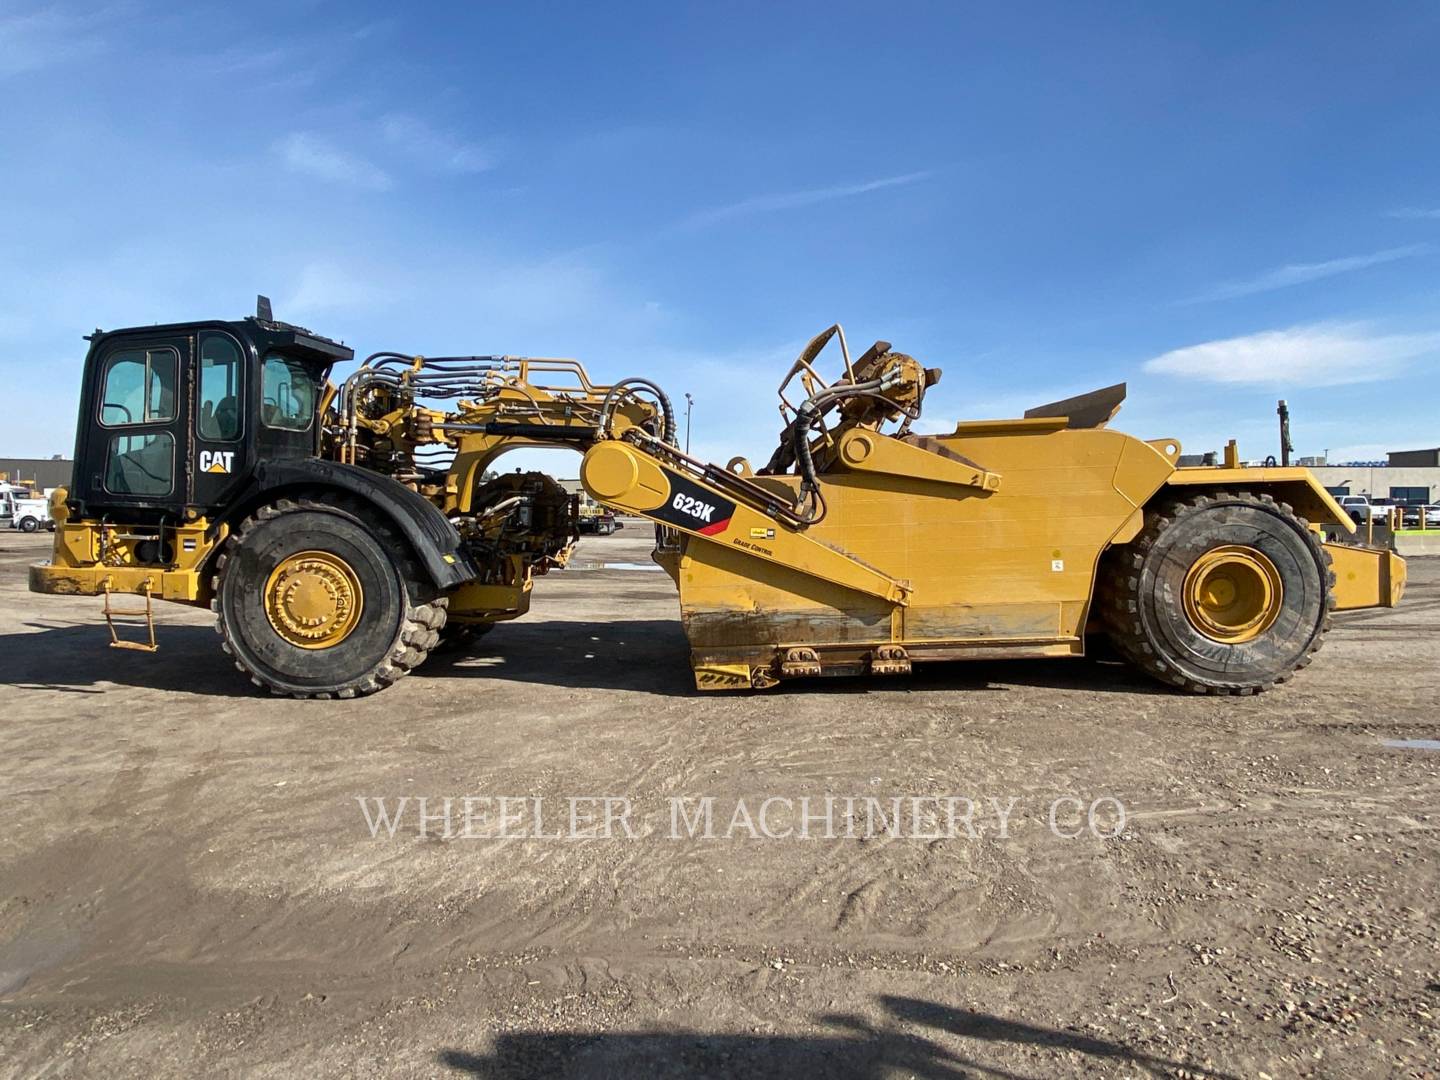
809	412
613	397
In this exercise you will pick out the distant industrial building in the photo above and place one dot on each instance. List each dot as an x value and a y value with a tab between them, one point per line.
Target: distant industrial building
1409	476
39	473
1415	459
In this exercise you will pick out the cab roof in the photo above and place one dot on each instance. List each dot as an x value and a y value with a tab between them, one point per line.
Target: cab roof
265	334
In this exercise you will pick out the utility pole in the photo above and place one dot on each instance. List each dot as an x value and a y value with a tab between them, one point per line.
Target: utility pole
689	404
1283	411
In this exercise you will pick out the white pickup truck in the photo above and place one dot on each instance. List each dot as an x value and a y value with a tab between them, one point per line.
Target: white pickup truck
1363	508
21	510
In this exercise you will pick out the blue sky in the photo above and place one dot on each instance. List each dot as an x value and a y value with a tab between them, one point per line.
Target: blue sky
1220	204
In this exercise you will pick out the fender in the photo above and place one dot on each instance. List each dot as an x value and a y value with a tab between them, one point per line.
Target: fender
1294	484
434	540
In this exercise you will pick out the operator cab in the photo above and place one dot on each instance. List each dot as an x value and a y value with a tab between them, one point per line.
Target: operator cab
173	418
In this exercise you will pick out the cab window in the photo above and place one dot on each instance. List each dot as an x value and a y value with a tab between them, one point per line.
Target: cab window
141	464
139	387
287	394
218	415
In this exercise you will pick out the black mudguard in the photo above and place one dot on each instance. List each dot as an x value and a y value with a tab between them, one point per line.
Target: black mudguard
428	531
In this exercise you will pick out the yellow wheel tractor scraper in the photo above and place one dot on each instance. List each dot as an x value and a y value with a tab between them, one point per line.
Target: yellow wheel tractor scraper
339	532
859	551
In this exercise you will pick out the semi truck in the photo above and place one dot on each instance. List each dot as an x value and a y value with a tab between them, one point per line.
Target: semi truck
21	509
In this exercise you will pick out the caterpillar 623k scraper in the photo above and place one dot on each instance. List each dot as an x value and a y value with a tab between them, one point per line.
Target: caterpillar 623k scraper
339	530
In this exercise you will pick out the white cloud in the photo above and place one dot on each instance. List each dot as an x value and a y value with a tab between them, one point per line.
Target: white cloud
46	37
1303	356
1413	213
1358	452
433	150
372	29
310	155
935	425
1284	277
326	287
247	59
761	204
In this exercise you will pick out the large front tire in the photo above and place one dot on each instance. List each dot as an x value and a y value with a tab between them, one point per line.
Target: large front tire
1224	593
322	599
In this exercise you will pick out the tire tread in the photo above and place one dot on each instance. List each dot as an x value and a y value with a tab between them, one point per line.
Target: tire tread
424	612
1118	599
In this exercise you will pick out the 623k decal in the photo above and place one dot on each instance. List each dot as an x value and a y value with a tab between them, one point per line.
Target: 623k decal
695	508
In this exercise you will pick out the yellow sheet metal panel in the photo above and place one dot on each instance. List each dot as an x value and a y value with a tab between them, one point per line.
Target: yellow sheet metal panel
723	676
1142	469
76	544
88	554
1013	564
1035	541
1366	577
613	471
1040	425
729	598
490	603
1296	486
179	585
869	451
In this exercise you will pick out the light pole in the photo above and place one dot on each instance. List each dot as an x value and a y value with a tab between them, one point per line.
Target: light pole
689	404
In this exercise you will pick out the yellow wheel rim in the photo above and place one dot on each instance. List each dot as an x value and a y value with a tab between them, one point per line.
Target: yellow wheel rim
313	599
1233	594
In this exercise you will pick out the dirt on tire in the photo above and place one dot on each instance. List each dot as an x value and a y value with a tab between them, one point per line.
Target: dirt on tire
402	619
1140	587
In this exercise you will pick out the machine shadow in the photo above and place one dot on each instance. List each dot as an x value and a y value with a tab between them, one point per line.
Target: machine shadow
642	655
73	659
652	656
907	1045
649	655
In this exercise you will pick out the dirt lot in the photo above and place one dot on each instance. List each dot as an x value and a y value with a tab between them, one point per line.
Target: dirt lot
188	885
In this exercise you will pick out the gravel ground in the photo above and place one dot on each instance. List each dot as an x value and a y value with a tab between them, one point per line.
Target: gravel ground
189	886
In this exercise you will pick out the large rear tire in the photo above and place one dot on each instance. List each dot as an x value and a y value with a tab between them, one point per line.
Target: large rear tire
1222	593
323	599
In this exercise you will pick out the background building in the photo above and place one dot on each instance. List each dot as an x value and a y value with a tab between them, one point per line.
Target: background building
1407	476
41	473
1410	476
1429	459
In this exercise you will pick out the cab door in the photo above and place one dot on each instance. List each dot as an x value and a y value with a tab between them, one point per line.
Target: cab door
132	452
221	419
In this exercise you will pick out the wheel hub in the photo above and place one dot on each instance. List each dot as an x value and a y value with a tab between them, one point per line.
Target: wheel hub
313	599
1233	594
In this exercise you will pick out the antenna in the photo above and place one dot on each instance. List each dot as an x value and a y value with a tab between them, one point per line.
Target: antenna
1283	411
262	309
